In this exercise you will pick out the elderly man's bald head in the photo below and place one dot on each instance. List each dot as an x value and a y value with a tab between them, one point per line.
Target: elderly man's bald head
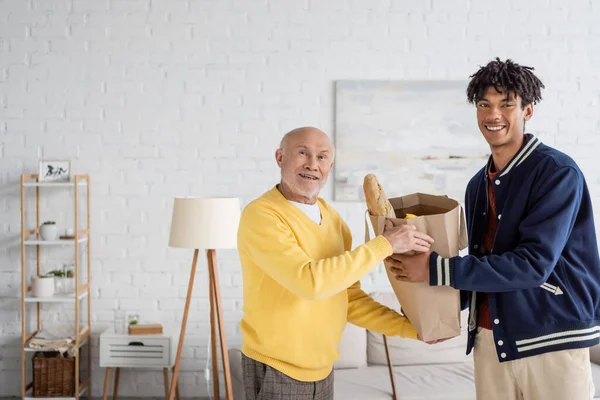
305	133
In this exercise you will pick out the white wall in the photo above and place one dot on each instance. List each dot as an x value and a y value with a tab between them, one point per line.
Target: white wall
157	98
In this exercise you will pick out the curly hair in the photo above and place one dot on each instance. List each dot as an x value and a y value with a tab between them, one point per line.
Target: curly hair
506	76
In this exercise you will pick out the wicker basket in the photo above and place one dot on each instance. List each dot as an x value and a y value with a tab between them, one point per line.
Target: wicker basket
53	376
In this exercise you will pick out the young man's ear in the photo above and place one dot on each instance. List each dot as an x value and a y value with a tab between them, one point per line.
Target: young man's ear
528	112
279	157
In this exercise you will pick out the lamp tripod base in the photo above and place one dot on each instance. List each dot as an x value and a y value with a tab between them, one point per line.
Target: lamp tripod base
216	323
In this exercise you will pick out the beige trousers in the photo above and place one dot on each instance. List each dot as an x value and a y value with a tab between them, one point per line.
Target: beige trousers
560	375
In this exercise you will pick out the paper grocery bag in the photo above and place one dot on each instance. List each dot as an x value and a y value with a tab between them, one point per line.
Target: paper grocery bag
433	310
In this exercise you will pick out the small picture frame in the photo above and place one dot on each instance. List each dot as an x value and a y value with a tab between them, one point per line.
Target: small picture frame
54	171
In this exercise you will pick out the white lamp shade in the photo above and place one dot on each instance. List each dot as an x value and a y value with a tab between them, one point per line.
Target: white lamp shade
205	223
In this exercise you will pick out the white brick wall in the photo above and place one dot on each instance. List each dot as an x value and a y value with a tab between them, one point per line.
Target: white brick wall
190	97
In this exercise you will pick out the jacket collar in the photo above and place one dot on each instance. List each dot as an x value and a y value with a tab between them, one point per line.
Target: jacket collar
530	144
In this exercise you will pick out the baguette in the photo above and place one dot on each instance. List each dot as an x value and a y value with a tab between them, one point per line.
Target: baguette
377	202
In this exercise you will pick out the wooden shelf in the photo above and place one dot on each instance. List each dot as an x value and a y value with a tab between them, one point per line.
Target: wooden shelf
57	298
83	339
83	387
33	241
54	184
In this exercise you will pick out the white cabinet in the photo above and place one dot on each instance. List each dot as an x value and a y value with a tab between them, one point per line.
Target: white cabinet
120	350
137	351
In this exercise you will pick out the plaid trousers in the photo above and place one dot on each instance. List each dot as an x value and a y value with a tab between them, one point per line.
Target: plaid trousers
262	382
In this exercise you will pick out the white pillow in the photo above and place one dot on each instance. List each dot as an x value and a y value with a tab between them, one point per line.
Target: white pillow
413	352
353	348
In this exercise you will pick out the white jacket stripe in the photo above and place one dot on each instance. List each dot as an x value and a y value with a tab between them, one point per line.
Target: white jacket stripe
559	341
524	151
557	335
447	271
440	278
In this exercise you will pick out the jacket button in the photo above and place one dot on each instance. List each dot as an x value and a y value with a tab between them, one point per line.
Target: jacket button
496	321
476	247
503	355
499	216
500	342
497	181
484	213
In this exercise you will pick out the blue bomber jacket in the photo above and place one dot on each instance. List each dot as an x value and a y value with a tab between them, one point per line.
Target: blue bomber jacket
543	274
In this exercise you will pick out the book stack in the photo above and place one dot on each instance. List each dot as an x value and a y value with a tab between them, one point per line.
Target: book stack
145	329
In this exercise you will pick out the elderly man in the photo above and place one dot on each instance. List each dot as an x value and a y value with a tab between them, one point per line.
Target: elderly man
302	277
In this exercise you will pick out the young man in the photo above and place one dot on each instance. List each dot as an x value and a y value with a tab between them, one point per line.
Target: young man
532	276
302	277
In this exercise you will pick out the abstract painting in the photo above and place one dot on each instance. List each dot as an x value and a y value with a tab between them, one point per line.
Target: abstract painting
416	136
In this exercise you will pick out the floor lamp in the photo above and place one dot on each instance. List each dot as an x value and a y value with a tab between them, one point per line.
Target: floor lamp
208	224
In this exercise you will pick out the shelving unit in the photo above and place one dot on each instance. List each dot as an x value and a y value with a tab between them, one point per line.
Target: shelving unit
31	238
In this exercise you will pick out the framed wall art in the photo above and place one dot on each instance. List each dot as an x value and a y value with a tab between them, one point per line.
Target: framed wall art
54	170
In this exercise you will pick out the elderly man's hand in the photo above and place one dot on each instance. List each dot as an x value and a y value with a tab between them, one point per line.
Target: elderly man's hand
405	238
413	268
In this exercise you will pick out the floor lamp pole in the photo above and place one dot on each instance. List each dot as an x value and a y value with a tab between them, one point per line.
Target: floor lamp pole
183	326
215	301
213	336
216	321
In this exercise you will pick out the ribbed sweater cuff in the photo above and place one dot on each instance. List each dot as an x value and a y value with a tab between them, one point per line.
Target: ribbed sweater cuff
409	331
380	246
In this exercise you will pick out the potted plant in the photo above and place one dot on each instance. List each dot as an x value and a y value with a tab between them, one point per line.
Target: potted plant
48	230
63	279
69	278
58	283
133	318
42	286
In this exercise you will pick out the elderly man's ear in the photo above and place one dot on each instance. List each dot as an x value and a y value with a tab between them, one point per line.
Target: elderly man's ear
279	156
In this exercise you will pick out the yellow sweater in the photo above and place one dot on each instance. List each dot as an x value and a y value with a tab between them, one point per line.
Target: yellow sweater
301	285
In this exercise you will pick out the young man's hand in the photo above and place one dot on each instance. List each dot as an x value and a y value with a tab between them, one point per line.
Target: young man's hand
413	268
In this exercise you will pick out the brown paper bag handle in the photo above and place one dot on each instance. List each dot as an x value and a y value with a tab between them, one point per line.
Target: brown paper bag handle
463	241
367	236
